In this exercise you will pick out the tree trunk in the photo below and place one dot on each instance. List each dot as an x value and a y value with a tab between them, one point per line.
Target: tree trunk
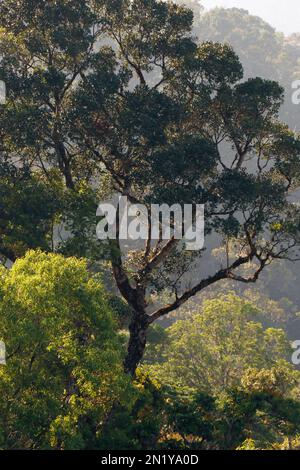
137	343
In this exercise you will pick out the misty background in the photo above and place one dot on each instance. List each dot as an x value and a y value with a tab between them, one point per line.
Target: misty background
284	16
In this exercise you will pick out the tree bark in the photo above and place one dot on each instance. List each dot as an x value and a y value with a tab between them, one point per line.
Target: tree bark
137	342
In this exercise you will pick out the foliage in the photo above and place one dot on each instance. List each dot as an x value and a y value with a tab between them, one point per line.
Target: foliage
211	350
64	358
27	201
107	96
118	96
262	50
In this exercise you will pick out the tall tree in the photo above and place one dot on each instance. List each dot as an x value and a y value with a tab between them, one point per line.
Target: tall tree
119	89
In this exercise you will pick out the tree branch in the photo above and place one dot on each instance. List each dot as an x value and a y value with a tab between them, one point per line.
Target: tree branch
222	274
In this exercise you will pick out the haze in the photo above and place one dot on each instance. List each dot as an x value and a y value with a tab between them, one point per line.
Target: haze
284	16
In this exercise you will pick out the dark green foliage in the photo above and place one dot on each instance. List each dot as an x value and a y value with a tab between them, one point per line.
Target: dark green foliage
116	95
28	208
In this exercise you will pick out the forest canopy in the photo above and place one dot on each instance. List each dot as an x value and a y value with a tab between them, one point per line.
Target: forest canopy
151	345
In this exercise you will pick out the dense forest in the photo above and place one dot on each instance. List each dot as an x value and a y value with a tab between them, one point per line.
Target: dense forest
146	345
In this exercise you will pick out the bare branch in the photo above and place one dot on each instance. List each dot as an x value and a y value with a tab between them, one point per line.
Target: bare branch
222	274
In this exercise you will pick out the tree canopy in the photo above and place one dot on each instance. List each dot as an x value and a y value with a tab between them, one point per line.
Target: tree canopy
212	350
118	96
64	367
118	345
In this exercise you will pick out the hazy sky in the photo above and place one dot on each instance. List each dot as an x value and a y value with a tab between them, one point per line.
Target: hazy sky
284	15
